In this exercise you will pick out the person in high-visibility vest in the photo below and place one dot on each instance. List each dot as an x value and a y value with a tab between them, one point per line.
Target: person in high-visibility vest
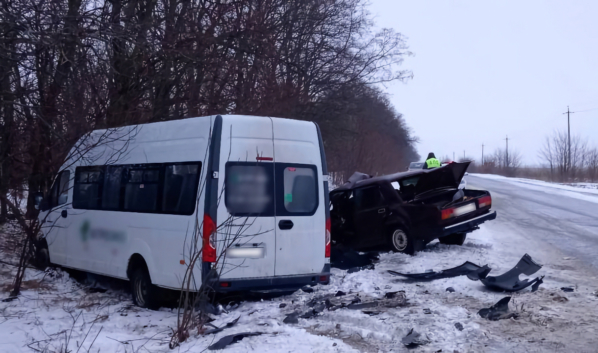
432	161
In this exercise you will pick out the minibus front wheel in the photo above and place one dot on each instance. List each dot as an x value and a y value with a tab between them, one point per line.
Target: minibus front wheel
145	294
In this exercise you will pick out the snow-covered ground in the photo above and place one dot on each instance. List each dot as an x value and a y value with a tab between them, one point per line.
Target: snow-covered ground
55	311
582	191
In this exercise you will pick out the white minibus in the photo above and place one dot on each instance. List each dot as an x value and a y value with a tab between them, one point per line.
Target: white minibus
134	202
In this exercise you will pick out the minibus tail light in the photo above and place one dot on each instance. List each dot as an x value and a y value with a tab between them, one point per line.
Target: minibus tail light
327	241
209	239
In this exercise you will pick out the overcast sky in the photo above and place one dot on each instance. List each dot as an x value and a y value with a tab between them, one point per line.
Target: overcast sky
487	69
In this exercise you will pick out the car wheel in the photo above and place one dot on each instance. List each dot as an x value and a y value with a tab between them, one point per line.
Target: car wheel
453	239
400	241
143	291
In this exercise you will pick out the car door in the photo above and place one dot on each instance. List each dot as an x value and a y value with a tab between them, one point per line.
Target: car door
370	214
54	224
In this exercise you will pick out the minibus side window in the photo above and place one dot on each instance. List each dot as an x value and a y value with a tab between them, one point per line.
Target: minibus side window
112	187
180	188
88	185
249	189
141	190
297	189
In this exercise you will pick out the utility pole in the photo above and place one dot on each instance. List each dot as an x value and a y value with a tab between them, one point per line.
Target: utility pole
463	154
482	154
453	156
507	153
568	164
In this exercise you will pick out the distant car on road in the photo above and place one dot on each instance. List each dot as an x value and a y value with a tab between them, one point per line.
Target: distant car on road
405	211
416	166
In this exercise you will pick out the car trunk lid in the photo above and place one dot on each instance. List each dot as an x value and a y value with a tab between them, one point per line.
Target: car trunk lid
448	176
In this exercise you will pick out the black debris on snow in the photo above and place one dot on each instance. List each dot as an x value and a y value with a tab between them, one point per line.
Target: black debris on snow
414	339
498	311
230	339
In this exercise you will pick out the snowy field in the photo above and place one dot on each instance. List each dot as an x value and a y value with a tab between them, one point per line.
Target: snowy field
56	313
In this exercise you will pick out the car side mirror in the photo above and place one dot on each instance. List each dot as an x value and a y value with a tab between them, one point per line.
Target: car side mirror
39	202
38	197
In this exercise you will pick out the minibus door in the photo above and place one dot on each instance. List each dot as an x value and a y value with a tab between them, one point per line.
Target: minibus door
53	221
246	217
300	217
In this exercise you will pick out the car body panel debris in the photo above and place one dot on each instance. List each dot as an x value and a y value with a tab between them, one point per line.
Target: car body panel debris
536	285
509	281
353	301
347	259
425	205
414	339
480	273
218	329
307	289
230	339
462	270
292	318
498	311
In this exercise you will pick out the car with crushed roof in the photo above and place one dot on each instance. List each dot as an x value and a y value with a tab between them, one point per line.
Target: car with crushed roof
405	211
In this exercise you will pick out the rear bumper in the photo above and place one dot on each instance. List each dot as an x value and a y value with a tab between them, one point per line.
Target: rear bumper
280	283
469	225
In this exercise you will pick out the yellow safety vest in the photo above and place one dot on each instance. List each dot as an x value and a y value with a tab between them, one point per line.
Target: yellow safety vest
433	163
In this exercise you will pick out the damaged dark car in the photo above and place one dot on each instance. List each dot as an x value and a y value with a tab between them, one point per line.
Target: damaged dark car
405	211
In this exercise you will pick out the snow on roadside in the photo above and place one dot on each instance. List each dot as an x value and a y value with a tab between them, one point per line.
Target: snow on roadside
54	309
580	191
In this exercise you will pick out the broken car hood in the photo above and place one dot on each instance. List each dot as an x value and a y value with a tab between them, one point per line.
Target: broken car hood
448	176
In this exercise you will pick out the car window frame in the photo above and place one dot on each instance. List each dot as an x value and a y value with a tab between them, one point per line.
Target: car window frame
356	206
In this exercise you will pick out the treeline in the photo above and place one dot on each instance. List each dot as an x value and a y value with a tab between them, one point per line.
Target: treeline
68	67
560	160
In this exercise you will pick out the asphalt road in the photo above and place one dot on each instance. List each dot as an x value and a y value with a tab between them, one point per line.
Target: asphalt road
558	220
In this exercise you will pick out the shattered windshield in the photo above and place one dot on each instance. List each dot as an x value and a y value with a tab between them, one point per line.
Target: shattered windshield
409	181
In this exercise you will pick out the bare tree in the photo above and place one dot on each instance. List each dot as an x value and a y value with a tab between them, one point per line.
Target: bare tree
592	165
555	154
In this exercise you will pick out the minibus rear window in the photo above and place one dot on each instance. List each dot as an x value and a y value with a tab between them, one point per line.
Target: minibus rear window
296	189
300	190
249	189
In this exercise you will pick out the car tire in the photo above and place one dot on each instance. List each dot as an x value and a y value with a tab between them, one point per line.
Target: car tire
401	241
145	294
453	239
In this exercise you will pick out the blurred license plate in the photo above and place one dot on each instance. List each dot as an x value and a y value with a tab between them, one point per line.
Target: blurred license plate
251	253
465	209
